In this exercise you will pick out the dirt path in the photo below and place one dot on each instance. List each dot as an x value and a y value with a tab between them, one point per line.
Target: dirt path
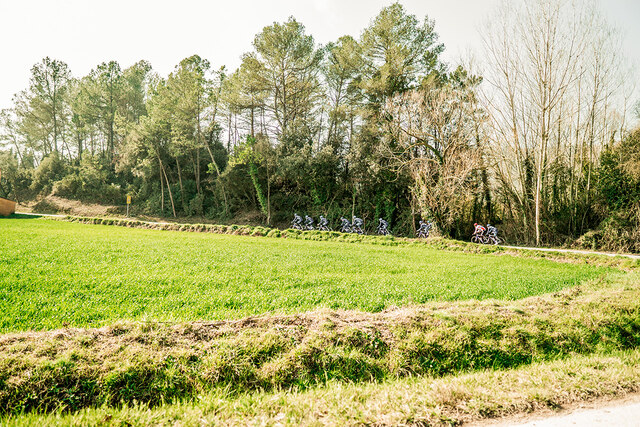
623	412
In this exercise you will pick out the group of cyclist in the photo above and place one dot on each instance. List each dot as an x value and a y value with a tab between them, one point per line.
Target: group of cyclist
356	225
481	234
298	224
485	235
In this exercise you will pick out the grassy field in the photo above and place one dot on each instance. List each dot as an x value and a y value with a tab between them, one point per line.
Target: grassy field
57	274
435	336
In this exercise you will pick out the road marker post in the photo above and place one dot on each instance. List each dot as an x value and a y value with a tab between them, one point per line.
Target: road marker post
128	203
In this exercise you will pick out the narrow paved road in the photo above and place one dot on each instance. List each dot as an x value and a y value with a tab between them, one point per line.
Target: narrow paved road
621	416
574	251
622	412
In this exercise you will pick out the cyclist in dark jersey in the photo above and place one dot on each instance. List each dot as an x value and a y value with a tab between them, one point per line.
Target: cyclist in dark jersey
383	227
345	225
308	222
323	224
356	225
297	222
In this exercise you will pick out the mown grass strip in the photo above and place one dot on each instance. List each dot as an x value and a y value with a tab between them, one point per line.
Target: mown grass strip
451	400
155	363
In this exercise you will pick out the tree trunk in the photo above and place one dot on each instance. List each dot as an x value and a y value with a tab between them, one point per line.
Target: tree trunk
162	171
180	181
173	207
215	166
161	188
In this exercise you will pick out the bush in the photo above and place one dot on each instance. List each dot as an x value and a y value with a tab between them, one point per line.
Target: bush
69	186
50	170
16	180
195	207
618	232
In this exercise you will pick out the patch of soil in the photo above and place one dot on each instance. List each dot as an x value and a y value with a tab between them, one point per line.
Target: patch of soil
59	205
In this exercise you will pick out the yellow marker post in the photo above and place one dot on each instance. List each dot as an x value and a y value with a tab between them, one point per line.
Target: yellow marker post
128	203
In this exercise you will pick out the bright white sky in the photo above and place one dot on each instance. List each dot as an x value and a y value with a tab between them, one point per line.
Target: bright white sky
84	33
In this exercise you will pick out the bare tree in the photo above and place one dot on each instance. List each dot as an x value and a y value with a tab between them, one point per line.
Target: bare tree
435	129
553	81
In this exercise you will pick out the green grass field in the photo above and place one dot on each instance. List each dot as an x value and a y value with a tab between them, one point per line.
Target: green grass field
54	274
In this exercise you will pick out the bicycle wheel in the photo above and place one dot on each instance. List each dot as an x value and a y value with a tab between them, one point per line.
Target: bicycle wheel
475	239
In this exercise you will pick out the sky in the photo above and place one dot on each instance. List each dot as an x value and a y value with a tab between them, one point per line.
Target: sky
85	33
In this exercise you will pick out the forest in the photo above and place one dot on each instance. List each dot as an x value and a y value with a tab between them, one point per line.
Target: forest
537	134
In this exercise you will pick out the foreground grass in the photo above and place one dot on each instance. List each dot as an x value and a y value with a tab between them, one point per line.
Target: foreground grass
154	363
417	401
56	274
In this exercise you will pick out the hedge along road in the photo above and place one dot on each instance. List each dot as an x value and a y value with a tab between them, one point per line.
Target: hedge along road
529	248
59	273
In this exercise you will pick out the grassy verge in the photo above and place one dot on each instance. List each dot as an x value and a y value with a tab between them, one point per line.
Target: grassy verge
152	363
434	242
58	274
449	400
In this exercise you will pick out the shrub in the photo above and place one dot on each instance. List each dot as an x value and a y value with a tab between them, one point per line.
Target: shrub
50	170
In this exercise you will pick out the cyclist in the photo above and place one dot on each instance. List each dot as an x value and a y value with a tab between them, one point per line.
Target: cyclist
308	222
297	222
356	226
478	229
345	225
492	235
479	235
323	224
423	229
383	227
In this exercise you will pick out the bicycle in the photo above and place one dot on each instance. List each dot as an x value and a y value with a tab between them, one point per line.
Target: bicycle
480	239
355	228
494	240
383	231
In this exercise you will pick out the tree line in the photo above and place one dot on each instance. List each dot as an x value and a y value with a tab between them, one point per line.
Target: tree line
535	137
